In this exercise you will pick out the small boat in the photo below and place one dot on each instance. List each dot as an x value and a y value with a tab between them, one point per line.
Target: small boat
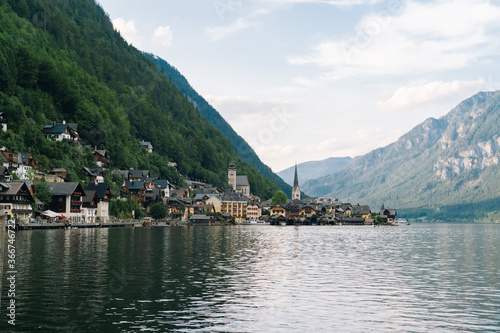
400	223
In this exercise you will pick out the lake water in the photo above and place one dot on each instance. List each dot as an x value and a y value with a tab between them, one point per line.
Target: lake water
418	278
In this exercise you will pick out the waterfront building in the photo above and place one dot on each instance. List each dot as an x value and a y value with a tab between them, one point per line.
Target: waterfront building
234	206
254	212
16	201
67	199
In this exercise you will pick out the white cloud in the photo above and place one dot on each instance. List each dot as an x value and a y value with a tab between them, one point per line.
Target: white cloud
164	35
218	33
128	30
340	3
436	92
422	37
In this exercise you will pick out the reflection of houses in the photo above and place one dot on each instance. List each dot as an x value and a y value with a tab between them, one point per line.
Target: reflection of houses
16	201
101	158
20	164
67	199
61	132
239	184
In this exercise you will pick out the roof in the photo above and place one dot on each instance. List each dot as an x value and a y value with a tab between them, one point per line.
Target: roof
100	188
89	196
147	144
12	188
64	188
361	210
242	181
200	217
296	178
134	185
54	170
100	152
138	173
161	183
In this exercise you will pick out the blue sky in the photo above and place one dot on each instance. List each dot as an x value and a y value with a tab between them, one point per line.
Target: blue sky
305	80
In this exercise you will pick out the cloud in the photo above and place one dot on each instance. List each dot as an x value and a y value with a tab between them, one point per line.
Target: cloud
164	35
339	3
436	92
418	38
218	33
128	30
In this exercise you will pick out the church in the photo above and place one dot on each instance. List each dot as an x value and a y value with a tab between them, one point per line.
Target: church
239	184
296	187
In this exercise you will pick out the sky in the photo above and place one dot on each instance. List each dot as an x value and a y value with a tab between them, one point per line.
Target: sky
304	80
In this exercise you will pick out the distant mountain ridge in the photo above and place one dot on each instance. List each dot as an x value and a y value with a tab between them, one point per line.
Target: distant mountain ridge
315	169
446	167
241	147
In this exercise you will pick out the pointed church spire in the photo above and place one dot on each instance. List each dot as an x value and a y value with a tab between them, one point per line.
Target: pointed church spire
296	187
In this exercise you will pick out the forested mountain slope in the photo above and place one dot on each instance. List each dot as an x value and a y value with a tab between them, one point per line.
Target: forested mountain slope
62	60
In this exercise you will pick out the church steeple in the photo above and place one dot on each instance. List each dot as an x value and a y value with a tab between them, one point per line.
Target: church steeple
296	187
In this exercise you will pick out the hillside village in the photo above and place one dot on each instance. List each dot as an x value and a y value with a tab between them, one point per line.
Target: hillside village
195	203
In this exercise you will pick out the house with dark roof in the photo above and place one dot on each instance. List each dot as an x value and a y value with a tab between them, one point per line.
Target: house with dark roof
61	132
3	122
67	199
147	145
103	193
101	158
16	201
89	206
59	172
4	174
21	164
135	189
138	175
361	211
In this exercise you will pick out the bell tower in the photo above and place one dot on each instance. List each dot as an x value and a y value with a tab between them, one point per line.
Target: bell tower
231	175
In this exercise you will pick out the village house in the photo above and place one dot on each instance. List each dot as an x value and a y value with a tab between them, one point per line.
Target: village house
96	174
20	164
16	201
135	189
278	209
361	211
89	206
3	121
254	212
101	158
147	145
61	132
67	199
388	215
234	206
215	201
59	172
4	174
103	192
198	219
137	175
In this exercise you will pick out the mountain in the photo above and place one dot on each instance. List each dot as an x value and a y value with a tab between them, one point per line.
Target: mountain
443	168
63	60
241	147
315	169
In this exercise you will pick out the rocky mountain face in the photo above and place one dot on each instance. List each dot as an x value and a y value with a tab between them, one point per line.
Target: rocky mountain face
446	167
315	169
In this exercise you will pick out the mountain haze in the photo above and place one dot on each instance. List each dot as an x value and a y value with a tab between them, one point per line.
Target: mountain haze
315	169
446	167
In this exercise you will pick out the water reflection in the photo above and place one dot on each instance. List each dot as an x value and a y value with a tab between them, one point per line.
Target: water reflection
421	278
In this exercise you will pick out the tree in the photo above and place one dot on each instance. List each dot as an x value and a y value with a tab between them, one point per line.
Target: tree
158	211
43	193
279	198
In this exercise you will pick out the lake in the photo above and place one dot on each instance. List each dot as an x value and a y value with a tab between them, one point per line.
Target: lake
417	278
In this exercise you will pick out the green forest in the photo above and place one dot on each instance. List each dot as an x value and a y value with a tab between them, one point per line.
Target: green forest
62	60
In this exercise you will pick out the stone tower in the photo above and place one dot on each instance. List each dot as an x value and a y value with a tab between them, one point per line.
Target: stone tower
296	187
231	175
